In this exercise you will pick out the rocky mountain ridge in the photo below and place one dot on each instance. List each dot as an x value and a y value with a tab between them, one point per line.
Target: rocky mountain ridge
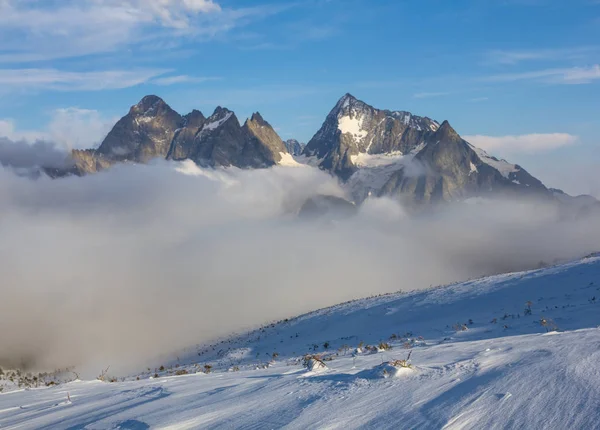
373	152
151	129
398	154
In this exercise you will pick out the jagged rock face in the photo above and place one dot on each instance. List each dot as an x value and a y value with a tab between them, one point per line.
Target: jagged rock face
294	147
263	147
415	158
217	143
152	129
448	168
146	132
223	142
183	139
353	127
88	161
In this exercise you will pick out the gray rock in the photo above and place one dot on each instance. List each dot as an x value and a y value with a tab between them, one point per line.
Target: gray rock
152	129
326	206
223	142
354	127
146	132
263	147
438	164
182	144
294	147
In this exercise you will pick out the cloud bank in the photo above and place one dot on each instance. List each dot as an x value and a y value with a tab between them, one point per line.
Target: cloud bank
122	266
522	144
69	128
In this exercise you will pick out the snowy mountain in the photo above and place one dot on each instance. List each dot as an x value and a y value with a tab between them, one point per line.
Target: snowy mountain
373	152
510	351
354	128
152	129
385	153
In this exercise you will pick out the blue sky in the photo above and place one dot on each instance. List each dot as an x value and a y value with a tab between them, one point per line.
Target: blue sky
520	77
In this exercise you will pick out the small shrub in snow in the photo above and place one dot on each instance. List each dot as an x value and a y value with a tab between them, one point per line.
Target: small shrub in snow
383	346
344	348
313	363
103	375
181	372
371	349
549	324
460	327
207	368
403	363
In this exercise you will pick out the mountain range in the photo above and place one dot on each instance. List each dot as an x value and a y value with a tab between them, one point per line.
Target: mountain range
373	152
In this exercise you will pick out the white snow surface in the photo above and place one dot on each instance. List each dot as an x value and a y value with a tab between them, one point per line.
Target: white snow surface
213	125
288	160
503	166
352	125
375	171
479	361
473	169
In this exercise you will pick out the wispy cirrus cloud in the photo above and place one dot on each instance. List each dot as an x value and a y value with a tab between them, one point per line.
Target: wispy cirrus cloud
182	79
513	57
61	80
573	76
522	144
429	95
33	31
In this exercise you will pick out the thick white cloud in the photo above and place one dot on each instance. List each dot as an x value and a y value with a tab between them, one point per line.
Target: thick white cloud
69	128
522	144
121	266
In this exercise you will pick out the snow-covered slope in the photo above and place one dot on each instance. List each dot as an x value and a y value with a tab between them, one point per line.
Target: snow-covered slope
484	354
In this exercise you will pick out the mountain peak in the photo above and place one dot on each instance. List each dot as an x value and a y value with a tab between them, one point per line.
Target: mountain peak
148	104
446	132
220	112
346	101
257	117
194	112
294	147
193	119
348	96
